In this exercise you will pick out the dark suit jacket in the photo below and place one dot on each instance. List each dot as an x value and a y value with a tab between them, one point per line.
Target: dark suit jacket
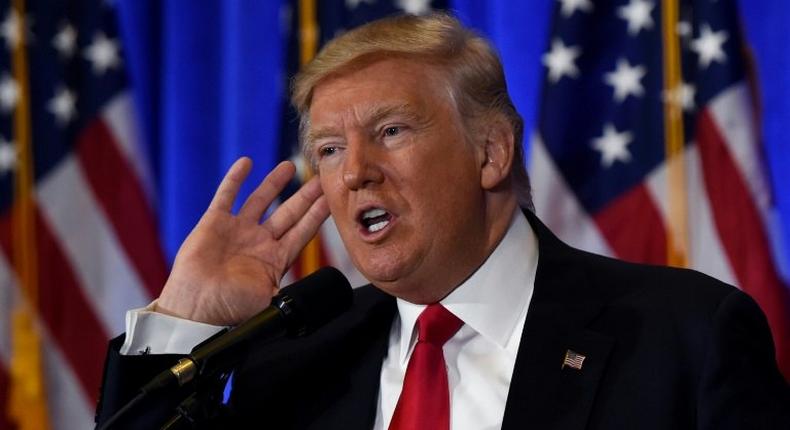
665	349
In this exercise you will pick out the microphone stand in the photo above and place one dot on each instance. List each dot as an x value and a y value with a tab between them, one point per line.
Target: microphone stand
299	309
199	407
216	355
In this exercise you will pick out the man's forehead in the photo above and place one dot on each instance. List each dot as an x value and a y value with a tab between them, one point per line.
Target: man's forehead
370	112
406	89
369	103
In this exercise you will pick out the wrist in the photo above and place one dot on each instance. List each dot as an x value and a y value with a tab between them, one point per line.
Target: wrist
176	302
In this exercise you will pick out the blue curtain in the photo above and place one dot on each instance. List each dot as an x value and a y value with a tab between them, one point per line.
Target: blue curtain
207	77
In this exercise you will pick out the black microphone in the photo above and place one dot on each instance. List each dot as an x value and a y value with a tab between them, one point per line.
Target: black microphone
297	310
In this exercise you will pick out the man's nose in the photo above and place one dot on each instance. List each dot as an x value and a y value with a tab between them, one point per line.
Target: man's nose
361	165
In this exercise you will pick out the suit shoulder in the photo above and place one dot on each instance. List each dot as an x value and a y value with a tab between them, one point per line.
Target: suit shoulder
293	367
368	319
678	288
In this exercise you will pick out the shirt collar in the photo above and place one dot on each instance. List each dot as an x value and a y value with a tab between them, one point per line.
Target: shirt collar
490	301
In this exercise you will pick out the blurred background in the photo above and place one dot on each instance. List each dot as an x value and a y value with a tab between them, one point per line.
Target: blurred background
654	132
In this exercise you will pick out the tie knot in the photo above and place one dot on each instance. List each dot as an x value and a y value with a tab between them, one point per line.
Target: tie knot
436	325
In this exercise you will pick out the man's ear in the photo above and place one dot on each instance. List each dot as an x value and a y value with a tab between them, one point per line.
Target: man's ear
498	154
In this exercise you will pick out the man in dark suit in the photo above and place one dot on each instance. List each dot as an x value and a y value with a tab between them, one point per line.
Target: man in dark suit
417	150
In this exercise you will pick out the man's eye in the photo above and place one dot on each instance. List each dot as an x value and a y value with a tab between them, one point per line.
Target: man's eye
326	150
392	131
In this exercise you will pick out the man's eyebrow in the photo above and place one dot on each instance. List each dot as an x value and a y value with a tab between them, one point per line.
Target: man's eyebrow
379	113
321	133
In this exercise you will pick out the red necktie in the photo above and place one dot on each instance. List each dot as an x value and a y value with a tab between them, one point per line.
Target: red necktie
424	402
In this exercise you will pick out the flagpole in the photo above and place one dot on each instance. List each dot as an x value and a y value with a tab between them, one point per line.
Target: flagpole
310	258
27	398
677	228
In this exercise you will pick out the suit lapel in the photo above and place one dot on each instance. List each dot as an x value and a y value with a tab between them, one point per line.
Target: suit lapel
543	392
357	408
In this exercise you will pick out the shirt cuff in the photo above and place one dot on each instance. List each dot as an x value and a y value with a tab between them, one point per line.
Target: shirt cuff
151	332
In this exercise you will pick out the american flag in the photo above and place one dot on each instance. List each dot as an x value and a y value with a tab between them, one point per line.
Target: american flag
311	25
78	237
647	147
573	359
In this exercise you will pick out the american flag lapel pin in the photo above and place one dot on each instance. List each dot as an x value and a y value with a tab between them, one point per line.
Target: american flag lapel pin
573	360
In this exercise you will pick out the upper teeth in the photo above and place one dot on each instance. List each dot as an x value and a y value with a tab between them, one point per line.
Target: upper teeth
373	213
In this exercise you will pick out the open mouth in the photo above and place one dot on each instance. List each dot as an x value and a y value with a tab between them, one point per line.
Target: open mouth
375	219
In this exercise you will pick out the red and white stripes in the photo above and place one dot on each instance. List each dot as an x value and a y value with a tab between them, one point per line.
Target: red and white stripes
730	213
98	255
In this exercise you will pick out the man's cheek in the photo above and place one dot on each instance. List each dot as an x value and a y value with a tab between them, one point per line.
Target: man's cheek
334	197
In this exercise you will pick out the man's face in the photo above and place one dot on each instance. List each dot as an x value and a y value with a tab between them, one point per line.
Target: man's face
401	176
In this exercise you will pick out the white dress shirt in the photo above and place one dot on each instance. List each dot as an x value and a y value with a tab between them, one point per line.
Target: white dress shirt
480	357
151	332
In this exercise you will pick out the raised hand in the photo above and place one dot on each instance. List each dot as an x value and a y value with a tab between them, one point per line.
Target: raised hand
230	266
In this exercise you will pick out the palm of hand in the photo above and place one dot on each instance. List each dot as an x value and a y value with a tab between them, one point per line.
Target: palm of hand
229	267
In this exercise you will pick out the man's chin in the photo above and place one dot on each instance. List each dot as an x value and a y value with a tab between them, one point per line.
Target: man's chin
413	292
381	266
390	280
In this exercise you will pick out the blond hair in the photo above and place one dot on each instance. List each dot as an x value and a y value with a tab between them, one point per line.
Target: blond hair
473	68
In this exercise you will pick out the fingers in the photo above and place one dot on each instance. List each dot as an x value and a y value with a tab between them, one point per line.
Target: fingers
229	187
294	209
263	196
294	222
297	237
